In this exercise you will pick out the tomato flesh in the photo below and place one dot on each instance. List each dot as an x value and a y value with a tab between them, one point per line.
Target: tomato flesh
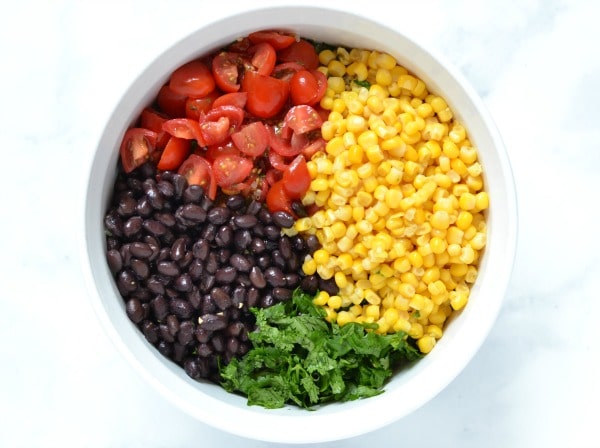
198	171
230	170
302	52
136	147
296	178
194	107
193	79
252	139
237	99
170	102
303	118
225	71
153	121
278	40
175	152
304	88
263	58
278	200
184	128
266	95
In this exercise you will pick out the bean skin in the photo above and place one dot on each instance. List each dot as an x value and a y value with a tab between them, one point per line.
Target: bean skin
257	278
218	215
127	281
183	283
212	322
178	249
225	275
283	219
140	250
140	267
240	262
134	310
168	268
235	202
115	261
193	194
132	226
221	298
186	332
193	212
282	294
181	308
114	224
245	221
160	307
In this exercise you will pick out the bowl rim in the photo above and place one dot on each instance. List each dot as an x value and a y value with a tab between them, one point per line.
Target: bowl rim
283	424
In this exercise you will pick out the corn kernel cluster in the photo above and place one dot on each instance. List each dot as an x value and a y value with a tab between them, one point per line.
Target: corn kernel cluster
401	217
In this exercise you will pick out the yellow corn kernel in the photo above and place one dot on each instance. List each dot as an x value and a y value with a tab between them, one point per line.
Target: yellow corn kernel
426	343
334	302
416	330
374	153
482	200
319	184
358	70
335	146
440	220
309	267
344	261
364	199
335	82
458	299
344	317
321	298
344	244
321	257
372	311
367	139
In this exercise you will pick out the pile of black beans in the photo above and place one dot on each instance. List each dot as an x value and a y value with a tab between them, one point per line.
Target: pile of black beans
189	268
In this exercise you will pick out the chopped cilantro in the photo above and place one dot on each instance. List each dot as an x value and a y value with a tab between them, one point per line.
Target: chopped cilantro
365	84
300	358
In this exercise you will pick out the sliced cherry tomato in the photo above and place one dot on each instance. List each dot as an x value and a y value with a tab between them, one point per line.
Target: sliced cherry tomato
286	70
184	128
314	147
224	148
276	161
278	200
240	45
296	178
215	132
273	175
266	95
196	106
278	40
321	82
263	57
233	113
302	52
255	186
237	99
136	147
198	171
174	154
192	79
230	170
280	145
170	102
252	139
303	118
154	120
225	71
304	88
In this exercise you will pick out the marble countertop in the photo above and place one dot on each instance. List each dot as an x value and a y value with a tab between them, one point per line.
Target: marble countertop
533	383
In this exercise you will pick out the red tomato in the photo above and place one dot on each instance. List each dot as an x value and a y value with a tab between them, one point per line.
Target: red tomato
223	148
296	178
263	58
214	132
278	200
192	79
153	120
230	170
286	70
303	119
237	99
184	128
314	147
302	52
266	95
174	154
273	175
225	71
276	161
197	171
196	106
280	145
233	113
240	45
252	139
136	147
304	88
321	82
170	102
278	40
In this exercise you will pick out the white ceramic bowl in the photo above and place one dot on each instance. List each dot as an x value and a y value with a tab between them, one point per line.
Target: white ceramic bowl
407	390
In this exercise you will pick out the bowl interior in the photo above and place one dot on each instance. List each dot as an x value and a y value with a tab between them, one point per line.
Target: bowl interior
410	388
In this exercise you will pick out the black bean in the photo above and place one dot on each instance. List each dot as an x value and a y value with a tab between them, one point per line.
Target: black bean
163	254
235	328
208	305
274	276
181	308
150	330
312	243
143	295
263	261
282	294
147	170
160	307
245	221
177	251
165	218
202	334
192	212
238	295
243	279
140	267
196	269
195	298
114	224
155	285
257	277
225	275
183	283
218	215
293	263
154	227
221	298
259	230
257	246
125	252
212	263
126	206
329	286
179	352
310	284
140	250
267	300
209	231
254	207
168	268
272	232
165	348
115	261
166	188
134	309
264	216
201	249
165	334
298	244
233	345
207	282
143	207
193	194
241	239
186	333
299	209
235	202
132	226
127	282
218	342
204	350
292	280
243	349
240	262
112	243
155	198
283	219
187	259
154	245
135	185
252	297
285	246
172	324
224	236
278	259
212	322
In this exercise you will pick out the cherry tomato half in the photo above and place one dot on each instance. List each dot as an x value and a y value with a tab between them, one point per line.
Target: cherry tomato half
174	154
266	95
296	178
225	71
194	107
170	102
136	147
252	139
237	99
278	200
154	120
230	170
233	113
192	79
280	145
184	128
278	40
302	52
215	132
223	148
198	171
263	58
303	118
304	88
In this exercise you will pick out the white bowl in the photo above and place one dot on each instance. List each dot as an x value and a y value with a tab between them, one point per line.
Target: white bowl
409	389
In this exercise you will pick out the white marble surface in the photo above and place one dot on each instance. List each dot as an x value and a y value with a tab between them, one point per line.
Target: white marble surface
535	382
